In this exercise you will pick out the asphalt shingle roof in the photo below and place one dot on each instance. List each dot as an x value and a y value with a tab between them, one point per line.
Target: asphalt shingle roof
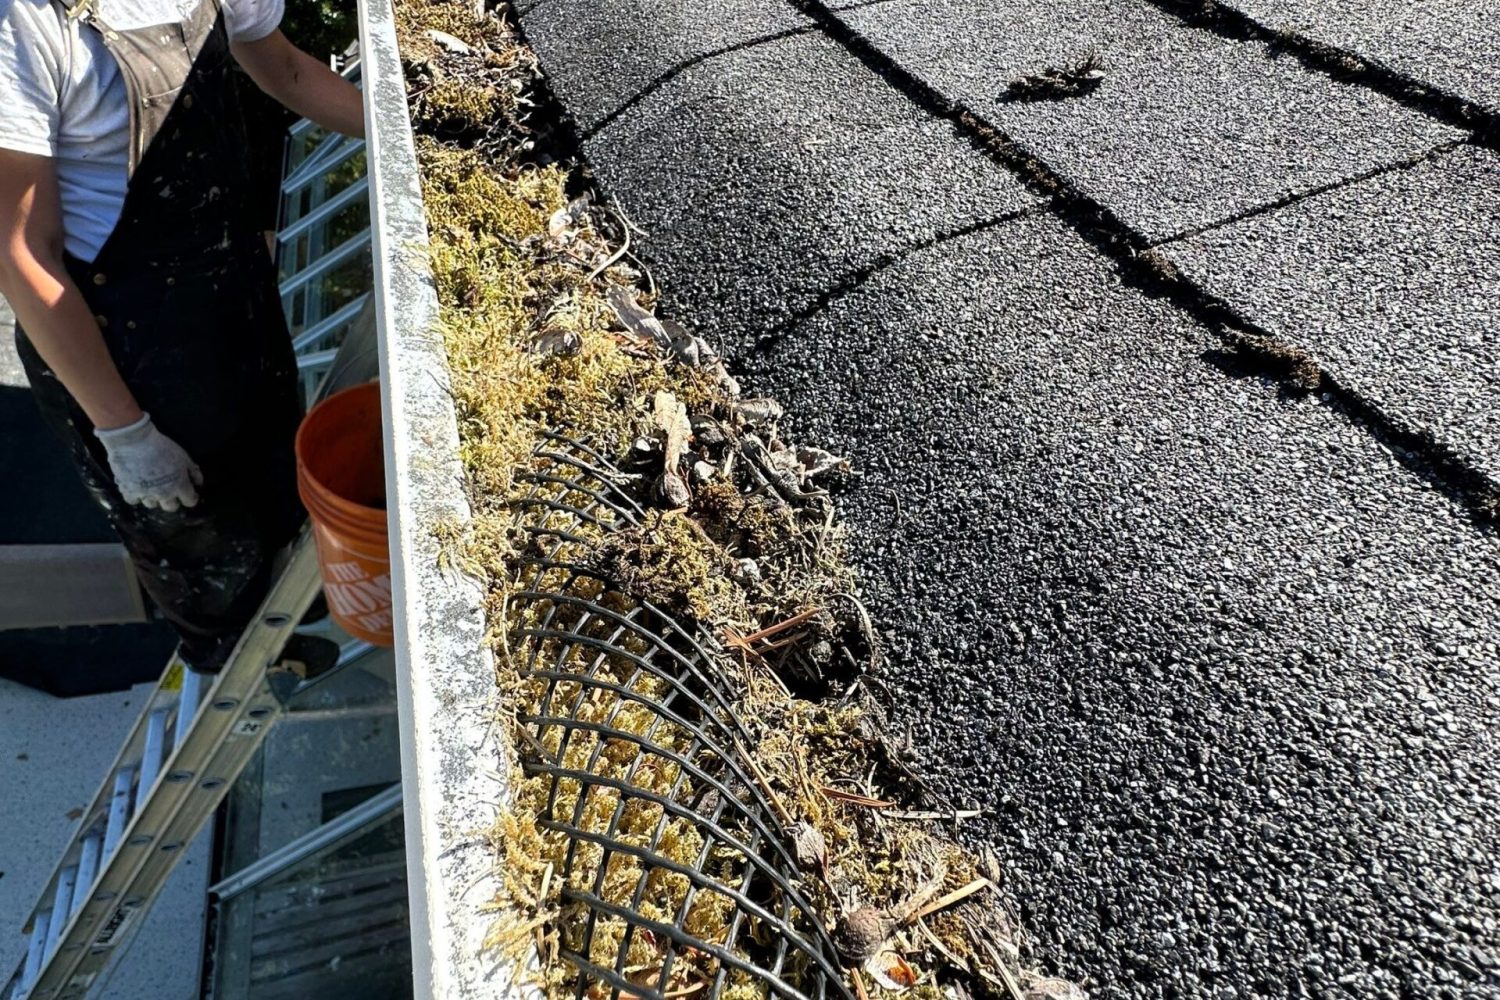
771	174
1218	663
1191	646
647	43
1453	45
1186	128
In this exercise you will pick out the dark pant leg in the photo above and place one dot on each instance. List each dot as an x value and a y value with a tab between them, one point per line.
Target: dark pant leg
227	392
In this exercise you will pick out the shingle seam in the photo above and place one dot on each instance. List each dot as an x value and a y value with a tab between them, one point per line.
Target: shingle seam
1343	65
856	279
844	8
671	74
1394	166
1255	349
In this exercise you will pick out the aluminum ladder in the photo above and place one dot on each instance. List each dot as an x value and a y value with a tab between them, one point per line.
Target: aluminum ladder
191	740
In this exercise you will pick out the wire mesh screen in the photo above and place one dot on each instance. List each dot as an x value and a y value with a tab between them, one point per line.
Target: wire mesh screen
678	879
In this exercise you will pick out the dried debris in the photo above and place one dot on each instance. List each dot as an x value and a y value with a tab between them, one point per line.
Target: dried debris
669	338
672	421
645	328
1298	370
465	73
1159	266
1059	83
563	343
547	326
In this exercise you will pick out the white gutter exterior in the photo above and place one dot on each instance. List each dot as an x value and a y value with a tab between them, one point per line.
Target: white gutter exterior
452	757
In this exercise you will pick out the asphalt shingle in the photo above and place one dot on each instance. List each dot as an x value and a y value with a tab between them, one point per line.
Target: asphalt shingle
1450	45
1187	128
1394	283
1218	670
648	41
771	174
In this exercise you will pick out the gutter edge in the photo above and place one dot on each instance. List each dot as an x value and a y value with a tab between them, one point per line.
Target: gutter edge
452	763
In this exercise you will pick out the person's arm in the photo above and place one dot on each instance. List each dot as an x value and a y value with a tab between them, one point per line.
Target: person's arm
57	320
149	468
302	84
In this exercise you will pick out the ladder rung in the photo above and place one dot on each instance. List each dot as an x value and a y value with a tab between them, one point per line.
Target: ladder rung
119	810
156	740
34	949
88	869
61	900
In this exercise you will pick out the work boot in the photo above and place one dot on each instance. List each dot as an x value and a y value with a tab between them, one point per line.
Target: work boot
302	659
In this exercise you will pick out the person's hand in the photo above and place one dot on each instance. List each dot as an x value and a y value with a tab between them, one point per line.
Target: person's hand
150	468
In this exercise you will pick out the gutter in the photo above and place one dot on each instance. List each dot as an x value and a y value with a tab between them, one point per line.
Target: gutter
452	762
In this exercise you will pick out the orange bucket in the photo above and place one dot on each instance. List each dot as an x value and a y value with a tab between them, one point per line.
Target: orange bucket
341	478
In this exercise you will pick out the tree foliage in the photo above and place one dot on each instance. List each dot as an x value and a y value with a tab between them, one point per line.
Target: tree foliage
320	27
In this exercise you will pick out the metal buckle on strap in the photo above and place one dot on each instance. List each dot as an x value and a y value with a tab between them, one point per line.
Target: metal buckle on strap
79	10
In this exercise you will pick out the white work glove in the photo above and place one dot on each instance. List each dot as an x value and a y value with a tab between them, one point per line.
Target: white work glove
150	468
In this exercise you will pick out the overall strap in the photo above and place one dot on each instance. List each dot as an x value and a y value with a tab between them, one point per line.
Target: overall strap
155	63
79	10
185	188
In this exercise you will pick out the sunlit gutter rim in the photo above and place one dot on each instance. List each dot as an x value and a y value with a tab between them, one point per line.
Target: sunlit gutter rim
452	762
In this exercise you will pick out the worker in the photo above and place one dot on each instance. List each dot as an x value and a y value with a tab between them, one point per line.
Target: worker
148	319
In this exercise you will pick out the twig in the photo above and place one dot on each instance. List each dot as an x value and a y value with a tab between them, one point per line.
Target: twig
929	814
858	800
765	784
629	225
615	257
739	642
951	899
859	984
790	640
943	949
1011	985
870	635
536	744
774	679
546	884
791	622
917	905
646	272
802	779
868	682
869	790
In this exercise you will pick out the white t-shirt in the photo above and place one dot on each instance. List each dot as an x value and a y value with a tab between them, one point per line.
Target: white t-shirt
61	96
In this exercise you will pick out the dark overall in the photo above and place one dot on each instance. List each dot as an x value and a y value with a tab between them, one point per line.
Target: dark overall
186	298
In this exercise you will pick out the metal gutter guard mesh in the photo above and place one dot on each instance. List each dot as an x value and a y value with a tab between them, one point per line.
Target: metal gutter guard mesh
677	877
